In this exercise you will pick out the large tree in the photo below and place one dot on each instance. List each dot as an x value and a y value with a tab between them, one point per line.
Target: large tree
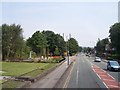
73	46
38	43
55	42
101	46
115	36
12	40
0	43
50	36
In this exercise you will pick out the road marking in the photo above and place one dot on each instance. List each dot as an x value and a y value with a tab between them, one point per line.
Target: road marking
77	77
114	86
105	85
111	76
68	78
99	77
106	82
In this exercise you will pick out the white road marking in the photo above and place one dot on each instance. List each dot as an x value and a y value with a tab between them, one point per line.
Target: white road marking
111	76
99	77
114	86
108	80
105	85
77	77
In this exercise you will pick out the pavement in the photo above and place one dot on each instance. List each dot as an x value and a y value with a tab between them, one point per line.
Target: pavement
50	80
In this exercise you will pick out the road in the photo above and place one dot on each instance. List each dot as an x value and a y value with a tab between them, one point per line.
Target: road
103	65
83	73
89	74
50	80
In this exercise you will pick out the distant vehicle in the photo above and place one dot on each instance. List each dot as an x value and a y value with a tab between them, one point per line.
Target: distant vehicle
97	59
113	65
88	55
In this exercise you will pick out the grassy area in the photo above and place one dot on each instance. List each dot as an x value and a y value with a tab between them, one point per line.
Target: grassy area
17	68
11	84
0	81
25	69
39	71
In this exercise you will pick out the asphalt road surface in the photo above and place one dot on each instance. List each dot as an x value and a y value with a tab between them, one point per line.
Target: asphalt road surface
84	73
82	76
103	65
89	74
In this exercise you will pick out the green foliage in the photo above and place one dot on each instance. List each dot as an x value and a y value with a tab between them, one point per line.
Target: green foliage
101	45
56	52
37	42
12	41
80	49
115	36
11	84
17	68
55	41
73	46
0	43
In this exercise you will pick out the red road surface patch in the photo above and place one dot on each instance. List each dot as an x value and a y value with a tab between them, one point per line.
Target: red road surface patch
107	79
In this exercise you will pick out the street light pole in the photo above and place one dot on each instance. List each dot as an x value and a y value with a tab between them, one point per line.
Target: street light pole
67	49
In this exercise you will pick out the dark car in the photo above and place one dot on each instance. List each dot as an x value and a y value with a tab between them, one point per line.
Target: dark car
113	65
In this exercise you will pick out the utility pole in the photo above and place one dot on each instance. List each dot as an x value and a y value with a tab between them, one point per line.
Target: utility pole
67	49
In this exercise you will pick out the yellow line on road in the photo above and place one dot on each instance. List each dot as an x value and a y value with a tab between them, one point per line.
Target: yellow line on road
68	78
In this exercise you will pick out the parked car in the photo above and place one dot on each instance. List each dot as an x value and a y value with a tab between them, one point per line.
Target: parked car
97	59
113	65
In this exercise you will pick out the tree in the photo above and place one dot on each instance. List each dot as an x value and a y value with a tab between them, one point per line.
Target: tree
73	46
38	43
60	44
0	43
12	40
101	45
115	37
55	41
50	36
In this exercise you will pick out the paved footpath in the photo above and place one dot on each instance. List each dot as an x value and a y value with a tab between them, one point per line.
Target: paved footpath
52	78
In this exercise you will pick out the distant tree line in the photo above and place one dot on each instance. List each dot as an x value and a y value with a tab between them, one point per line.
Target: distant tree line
45	43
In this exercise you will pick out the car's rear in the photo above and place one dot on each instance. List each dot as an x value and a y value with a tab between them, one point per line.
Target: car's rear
113	65
97	59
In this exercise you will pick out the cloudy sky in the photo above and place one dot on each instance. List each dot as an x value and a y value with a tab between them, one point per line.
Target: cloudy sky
85	21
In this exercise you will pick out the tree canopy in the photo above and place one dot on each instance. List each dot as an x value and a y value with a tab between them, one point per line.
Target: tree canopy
73	46
115	36
37	42
12	41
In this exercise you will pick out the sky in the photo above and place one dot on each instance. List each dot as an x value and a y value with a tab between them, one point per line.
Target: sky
85	21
